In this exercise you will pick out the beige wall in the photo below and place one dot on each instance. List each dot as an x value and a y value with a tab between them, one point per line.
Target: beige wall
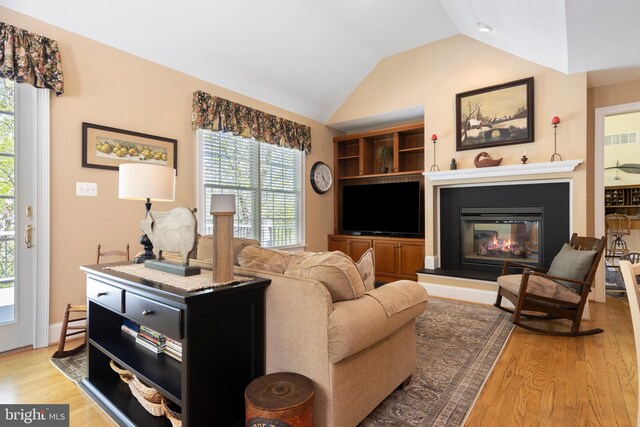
598	97
109	87
431	75
625	153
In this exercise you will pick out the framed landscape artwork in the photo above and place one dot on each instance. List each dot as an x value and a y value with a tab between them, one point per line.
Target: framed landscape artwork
496	115
106	148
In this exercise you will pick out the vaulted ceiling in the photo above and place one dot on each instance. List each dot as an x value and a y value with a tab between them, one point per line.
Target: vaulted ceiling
307	56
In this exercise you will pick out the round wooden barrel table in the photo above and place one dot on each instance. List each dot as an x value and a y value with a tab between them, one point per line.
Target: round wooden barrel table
282	399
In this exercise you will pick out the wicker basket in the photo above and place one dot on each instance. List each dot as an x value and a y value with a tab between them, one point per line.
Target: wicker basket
125	375
170	411
149	397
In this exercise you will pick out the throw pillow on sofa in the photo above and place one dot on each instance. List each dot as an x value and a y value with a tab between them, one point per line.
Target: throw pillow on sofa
336	271
206	242
264	259
367	267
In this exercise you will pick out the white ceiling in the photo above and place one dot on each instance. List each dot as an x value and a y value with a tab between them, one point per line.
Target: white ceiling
307	56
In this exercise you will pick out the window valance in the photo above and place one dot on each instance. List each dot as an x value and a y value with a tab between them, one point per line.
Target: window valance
29	58
219	114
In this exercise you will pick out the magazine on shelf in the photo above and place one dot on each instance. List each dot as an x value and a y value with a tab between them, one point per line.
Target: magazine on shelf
148	345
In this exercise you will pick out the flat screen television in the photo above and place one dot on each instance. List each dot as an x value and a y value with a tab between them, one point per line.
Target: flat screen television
387	209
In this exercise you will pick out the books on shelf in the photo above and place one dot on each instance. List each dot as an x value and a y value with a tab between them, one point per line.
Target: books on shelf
153	340
148	345
173	349
130	328
172	353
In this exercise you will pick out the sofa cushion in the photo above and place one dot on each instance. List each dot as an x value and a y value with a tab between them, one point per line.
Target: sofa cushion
264	259
367	267
356	325
539	286
206	242
571	264
401	296
337	272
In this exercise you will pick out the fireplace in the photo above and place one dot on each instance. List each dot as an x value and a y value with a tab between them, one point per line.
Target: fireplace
482	226
491	236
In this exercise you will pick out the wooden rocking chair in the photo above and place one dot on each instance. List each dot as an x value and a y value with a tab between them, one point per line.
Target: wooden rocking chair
554	295
70	326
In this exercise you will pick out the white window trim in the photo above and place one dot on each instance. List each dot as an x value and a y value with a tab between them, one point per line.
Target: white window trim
201	206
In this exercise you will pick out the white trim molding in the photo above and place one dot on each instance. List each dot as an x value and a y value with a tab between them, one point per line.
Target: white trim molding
42	216
598	181
431	262
54	333
480	296
507	170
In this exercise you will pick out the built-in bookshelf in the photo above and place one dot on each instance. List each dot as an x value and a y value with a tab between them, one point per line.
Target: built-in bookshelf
623	199
355	154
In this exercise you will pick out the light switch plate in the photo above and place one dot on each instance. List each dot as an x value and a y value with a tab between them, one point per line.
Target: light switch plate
86	189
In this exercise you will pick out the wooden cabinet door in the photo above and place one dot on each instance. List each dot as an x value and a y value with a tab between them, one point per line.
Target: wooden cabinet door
385	253
339	244
358	248
410	259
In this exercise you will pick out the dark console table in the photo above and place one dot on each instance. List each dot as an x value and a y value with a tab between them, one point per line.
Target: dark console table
222	335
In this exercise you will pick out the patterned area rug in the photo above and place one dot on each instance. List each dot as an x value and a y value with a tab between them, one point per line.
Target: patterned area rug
457	346
73	367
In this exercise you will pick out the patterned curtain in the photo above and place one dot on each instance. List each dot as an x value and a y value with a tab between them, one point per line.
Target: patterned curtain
29	58
219	114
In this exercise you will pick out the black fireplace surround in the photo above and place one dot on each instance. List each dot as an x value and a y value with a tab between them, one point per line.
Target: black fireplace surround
534	216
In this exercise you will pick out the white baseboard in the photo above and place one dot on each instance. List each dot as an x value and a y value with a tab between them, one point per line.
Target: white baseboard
431	262
480	296
54	333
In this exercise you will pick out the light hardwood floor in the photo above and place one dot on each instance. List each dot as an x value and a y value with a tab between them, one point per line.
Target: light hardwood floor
557	381
538	380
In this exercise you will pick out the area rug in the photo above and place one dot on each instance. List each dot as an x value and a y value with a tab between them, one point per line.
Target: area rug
73	367
457	346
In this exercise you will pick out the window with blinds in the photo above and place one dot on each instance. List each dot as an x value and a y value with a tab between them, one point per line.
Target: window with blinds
267	182
621	138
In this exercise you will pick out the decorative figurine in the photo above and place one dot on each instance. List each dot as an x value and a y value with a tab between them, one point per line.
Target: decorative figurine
486	161
453	165
173	231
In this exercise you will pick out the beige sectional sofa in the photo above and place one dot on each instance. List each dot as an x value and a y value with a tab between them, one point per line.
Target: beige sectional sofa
356	349
355	354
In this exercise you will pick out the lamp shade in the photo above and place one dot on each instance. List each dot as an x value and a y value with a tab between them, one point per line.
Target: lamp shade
141	181
223	203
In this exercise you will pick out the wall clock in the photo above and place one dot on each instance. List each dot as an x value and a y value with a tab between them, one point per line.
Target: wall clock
321	178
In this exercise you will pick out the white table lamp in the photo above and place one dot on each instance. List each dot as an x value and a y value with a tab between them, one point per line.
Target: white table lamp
143	181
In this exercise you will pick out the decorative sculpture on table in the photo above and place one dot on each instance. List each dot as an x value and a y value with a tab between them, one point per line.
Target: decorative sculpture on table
223	209
484	160
173	231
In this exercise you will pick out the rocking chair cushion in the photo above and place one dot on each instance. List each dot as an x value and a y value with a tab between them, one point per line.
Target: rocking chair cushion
539	286
572	264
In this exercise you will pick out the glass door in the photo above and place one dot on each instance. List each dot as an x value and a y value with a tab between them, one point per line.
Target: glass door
7	203
16	208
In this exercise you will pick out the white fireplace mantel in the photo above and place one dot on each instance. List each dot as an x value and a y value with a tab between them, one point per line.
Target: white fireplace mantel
507	170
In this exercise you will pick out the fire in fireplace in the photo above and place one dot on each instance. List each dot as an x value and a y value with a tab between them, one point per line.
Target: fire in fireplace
491	236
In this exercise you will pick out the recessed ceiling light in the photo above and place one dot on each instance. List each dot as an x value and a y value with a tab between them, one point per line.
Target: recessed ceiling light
484	28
